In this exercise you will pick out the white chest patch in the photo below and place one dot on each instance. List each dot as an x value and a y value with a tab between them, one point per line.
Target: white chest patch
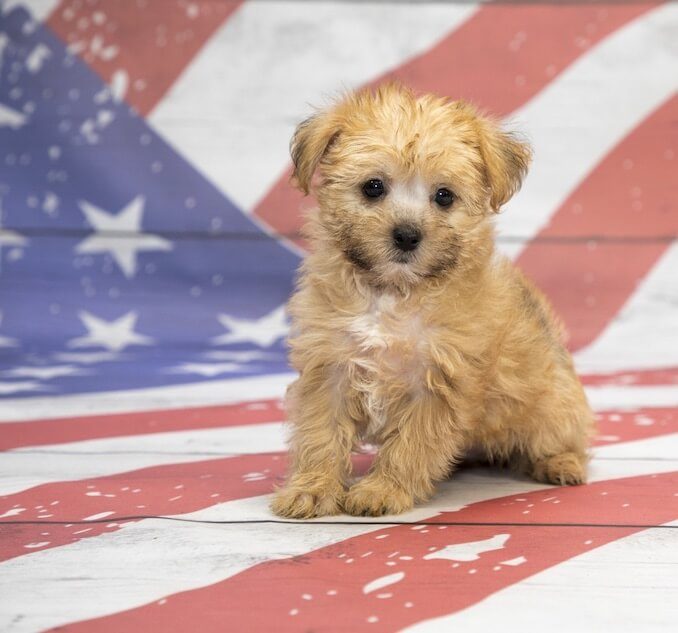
390	354
374	329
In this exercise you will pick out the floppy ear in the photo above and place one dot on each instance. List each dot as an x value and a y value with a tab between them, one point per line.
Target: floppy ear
506	161
311	140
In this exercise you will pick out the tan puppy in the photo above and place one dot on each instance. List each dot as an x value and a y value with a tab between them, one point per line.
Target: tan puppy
409	331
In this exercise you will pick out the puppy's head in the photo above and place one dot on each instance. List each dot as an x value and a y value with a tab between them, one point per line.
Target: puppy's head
406	184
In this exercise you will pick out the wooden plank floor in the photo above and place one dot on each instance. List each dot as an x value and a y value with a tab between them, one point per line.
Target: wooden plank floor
148	241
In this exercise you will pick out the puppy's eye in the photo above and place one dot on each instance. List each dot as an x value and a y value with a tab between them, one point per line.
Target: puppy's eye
374	188
444	197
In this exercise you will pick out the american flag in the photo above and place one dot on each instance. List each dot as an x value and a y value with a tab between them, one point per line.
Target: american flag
148	242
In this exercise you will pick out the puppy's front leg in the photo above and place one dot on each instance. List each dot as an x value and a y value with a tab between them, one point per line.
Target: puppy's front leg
417	453
320	451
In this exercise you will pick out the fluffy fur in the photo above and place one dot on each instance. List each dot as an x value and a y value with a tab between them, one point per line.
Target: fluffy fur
430	354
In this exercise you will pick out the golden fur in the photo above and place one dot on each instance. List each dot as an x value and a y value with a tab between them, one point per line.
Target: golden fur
431	354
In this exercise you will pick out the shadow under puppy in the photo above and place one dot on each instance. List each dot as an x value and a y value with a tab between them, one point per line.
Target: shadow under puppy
409	330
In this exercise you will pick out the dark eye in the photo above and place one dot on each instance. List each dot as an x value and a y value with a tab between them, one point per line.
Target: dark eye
444	197
373	188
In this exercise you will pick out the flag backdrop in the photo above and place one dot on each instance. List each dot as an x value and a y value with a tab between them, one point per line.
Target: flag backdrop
149	240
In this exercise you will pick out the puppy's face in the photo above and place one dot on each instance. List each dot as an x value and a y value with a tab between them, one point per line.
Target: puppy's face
405	182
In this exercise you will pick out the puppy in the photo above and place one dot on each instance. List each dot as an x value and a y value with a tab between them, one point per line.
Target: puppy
409	330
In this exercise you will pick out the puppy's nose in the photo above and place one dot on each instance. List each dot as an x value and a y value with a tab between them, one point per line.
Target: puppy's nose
406	237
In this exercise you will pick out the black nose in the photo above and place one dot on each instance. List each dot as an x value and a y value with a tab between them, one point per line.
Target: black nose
406	237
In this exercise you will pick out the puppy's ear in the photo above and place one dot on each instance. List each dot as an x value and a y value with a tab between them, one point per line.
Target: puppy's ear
310	142
506	161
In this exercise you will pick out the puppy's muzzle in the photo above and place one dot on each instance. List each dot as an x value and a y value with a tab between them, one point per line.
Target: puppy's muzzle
406	237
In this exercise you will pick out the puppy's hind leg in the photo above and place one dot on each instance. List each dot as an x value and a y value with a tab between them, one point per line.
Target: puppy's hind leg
322	438
556	449
562	469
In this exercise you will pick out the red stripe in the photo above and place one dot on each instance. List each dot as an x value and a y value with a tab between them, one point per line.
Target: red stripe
628	426
520	47
632	193
324	589
62	430
152	41
640	377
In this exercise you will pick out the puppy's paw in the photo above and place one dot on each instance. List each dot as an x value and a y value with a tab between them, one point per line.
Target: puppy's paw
376	497
565	469
292	502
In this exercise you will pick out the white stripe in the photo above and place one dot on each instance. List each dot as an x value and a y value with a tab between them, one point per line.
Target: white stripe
644	335
233	111
125	569
576	120
214	392
626	586
221	392
34	466
660	447
627	398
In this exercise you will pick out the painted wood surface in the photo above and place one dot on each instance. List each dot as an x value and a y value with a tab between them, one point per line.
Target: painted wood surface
149	237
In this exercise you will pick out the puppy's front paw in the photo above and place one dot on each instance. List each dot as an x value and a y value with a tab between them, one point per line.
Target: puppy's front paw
565	469
292	502
374	497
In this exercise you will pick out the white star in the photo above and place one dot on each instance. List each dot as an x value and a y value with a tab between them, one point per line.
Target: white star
7	388
262	332
120	235
44	373
206	369
87	358
113	335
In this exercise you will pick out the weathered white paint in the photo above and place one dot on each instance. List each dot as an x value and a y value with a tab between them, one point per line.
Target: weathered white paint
469	551
12	119
383	581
